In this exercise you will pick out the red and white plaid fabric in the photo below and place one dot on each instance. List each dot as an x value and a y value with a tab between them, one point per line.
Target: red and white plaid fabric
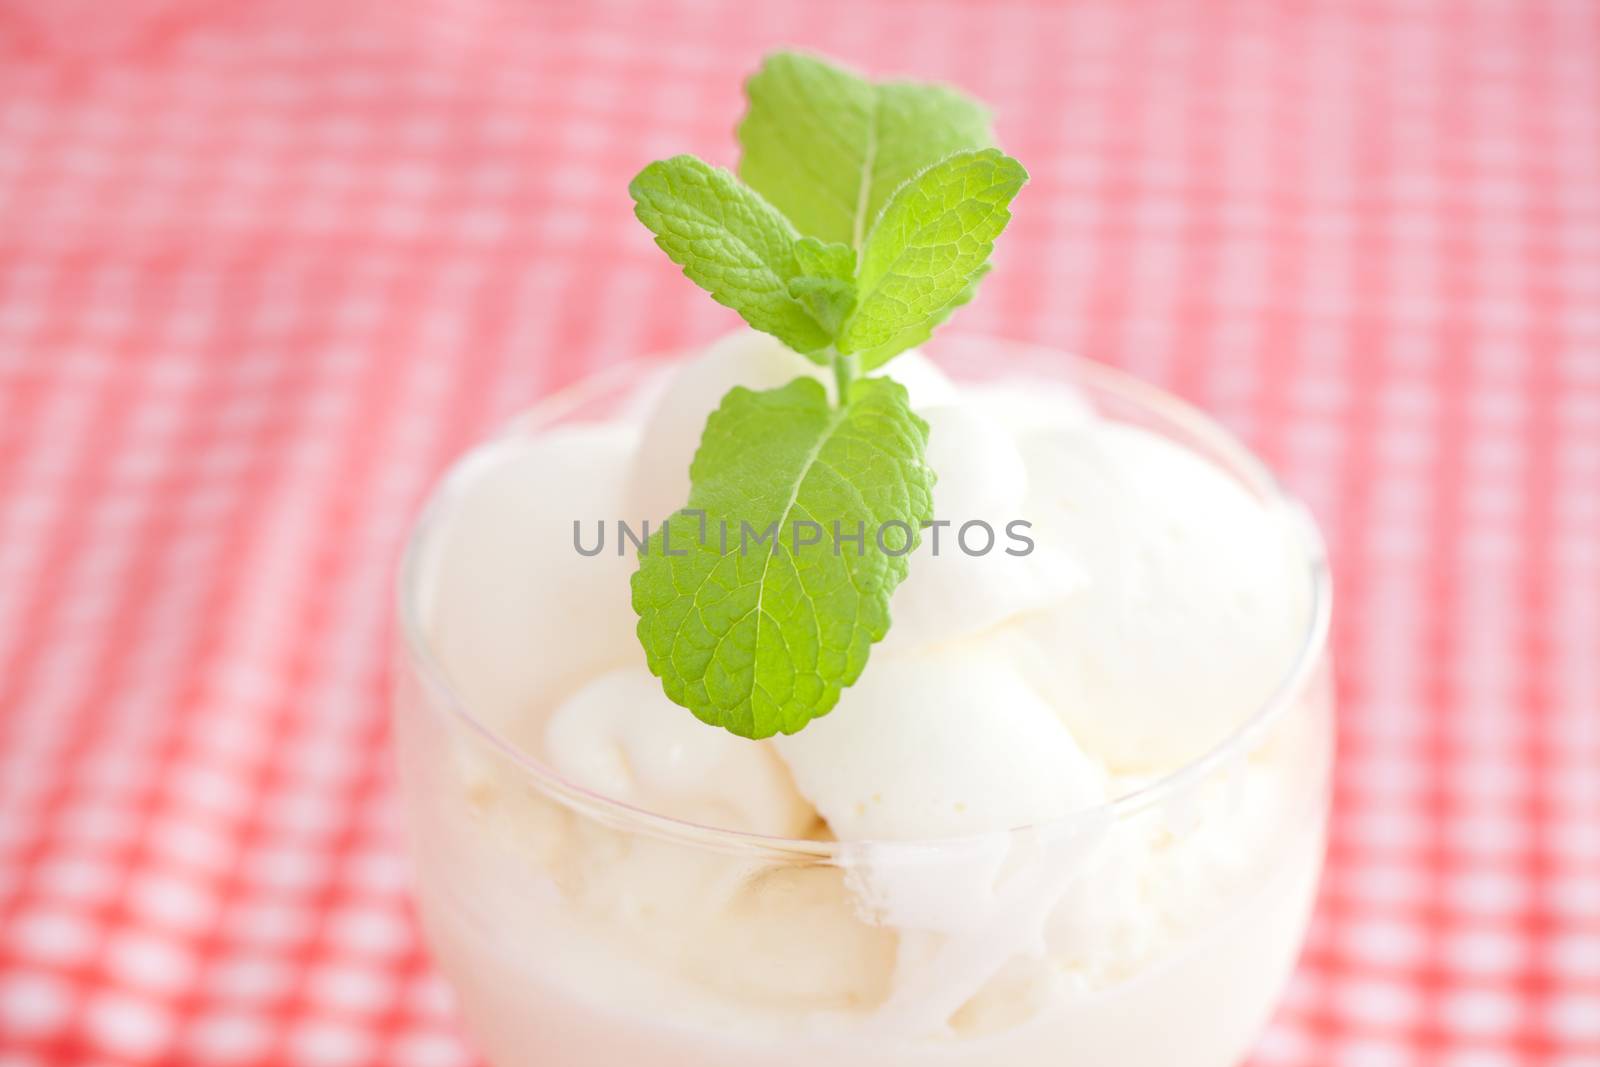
264	267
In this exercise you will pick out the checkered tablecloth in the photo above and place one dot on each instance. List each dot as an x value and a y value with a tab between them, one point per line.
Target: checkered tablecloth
264	267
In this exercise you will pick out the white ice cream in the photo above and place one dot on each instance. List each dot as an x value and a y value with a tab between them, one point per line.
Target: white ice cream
507	631
940	745
1162	604
964	578
621	737
1194	602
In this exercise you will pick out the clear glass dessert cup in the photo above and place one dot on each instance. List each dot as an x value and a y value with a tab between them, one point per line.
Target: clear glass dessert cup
1150	931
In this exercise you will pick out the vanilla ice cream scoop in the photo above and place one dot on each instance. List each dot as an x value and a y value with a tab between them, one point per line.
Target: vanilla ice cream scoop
520	617
1027	404
939	745
621	737
969	572
1193	605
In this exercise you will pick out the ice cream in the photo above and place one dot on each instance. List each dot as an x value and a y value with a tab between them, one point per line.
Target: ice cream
1194	602
940	745
956	588
945	875
507	631
622	738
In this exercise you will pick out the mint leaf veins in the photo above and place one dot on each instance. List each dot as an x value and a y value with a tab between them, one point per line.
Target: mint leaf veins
735	246
866	214
927	251
829	148
759	635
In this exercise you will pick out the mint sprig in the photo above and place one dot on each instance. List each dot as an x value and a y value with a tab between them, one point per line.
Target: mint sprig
867	213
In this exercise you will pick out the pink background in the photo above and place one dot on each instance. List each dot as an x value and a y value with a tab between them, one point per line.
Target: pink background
264	267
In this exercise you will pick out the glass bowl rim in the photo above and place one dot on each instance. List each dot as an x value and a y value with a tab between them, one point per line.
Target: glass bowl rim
1169	411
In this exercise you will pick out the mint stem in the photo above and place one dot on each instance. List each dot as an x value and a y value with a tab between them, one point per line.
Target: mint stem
844	372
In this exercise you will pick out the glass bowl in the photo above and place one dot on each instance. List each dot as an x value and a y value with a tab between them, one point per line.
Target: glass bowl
1156	929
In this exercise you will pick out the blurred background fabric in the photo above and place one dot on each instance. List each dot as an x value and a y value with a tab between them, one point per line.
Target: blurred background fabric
264	267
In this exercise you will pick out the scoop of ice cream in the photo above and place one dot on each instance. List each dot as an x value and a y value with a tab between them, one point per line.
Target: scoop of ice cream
659	482
520	617
621	737
939	745
926	385
807	917
1193	608
967	574
981	471
722	918
1025	404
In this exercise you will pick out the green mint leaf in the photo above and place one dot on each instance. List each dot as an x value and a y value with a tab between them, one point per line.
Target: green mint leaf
829	148
827	285
733	244
825	260
928	249
761	634
828	300
916	334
